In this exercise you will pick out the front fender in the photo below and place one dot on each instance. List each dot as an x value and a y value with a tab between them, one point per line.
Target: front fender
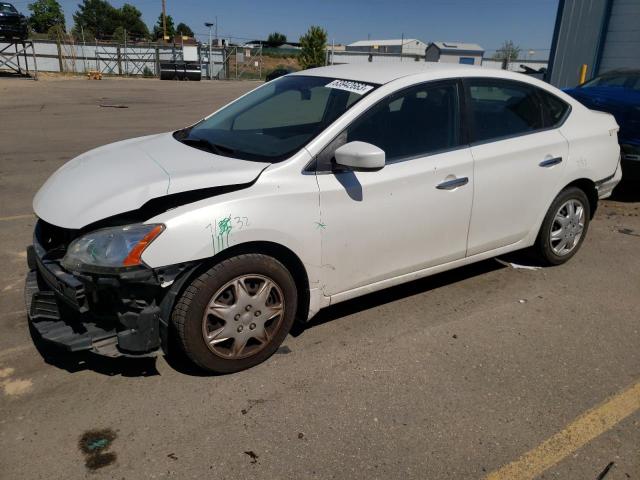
278	208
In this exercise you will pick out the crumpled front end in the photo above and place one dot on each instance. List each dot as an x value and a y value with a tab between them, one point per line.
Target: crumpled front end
123	313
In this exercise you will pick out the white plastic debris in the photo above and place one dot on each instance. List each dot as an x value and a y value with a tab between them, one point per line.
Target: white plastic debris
517	266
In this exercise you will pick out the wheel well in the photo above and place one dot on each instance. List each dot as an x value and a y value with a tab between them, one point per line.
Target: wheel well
281	253
589	188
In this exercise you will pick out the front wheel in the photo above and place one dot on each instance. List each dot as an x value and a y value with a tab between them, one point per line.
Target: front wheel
236	314
564	227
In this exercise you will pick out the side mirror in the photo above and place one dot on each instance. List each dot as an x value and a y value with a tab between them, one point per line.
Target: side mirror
360	156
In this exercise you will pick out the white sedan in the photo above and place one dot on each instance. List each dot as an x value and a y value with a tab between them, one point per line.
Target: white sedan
312	189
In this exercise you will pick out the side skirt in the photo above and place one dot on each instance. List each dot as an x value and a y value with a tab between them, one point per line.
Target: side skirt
408	277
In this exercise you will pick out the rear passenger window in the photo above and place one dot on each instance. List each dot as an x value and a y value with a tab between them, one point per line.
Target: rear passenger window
556	109
503	108
417	121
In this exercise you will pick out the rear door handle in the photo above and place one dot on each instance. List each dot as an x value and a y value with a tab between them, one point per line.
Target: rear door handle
451	184
550	162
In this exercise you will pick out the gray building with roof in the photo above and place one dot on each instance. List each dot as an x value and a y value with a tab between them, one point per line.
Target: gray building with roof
400	46
455	52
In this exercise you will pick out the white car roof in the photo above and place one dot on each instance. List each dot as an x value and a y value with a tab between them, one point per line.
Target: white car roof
381	73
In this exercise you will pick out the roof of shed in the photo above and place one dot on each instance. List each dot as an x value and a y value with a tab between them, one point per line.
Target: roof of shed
395	41
458	46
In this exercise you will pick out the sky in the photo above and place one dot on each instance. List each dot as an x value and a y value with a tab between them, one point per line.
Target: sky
529	23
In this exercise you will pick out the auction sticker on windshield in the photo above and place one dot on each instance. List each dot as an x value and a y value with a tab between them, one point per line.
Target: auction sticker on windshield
349	86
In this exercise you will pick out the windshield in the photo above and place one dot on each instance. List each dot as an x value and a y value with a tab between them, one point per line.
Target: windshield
7	8
276	120
620	80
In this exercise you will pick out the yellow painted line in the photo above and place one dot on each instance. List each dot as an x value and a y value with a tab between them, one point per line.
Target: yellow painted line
16	217
581	431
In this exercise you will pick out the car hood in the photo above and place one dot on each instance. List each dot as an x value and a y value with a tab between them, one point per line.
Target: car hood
123	176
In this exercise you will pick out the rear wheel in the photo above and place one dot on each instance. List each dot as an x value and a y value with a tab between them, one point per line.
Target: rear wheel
564	227
236	314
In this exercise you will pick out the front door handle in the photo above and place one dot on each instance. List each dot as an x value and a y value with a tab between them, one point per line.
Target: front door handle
451	184
550	162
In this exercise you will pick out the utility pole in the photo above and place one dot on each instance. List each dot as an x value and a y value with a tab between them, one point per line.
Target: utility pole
164	19
401	46
84	48
333	50
209	24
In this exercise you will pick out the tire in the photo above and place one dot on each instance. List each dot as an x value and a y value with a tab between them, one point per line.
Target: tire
564	227
255	306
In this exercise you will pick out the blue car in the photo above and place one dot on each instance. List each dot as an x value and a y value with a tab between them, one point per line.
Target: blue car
617	92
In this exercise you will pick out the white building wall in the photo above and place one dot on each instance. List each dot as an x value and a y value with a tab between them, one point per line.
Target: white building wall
414	48
447	58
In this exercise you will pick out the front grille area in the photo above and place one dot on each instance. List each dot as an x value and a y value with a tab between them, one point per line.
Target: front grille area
53	239
12	20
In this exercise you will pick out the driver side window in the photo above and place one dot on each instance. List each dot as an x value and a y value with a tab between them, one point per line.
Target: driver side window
414	122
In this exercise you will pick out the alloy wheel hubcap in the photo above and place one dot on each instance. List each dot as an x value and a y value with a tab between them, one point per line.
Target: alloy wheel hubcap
243	316
567	228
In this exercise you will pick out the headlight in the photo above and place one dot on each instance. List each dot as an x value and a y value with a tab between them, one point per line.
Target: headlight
110	248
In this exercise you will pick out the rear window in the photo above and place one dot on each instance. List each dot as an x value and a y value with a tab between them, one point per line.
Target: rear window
7	8
556	109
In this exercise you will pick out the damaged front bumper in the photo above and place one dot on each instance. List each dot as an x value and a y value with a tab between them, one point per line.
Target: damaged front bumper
123	314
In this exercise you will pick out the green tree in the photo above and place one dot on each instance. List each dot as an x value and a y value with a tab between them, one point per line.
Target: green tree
313	45
46	14
130	19
276	39
157	29
119	34
184	30
57	32
508	51
96	16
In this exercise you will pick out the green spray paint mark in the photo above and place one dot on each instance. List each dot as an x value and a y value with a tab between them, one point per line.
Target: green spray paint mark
223	229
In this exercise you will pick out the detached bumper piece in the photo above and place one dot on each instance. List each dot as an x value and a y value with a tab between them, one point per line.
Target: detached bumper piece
44	315
85	314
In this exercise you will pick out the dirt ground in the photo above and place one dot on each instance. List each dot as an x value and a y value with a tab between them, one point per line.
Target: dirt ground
451	377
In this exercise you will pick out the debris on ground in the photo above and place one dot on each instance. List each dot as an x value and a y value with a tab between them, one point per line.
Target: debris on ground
605	471
252	455
94	75
106	105
252	403
93	444
94	441
628	231
283	350
517	266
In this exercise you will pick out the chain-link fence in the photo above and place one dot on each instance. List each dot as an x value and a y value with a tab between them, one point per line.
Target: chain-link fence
135	58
